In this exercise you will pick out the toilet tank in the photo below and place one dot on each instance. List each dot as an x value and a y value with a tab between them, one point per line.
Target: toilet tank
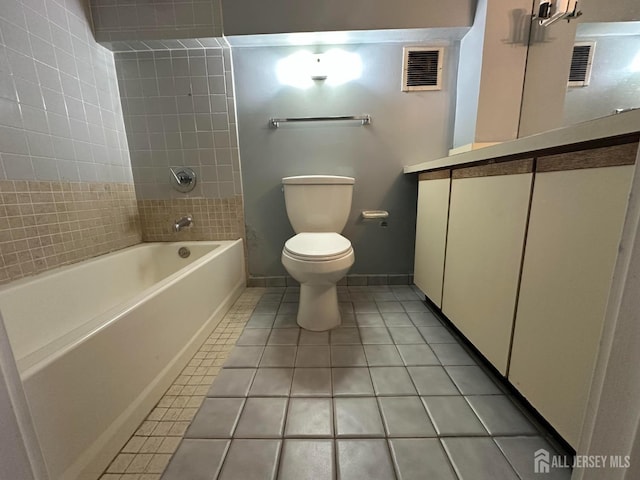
318	203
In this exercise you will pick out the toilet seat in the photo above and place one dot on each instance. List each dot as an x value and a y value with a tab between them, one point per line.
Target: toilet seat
317	246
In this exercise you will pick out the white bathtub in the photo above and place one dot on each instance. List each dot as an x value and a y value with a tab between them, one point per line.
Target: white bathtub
98	343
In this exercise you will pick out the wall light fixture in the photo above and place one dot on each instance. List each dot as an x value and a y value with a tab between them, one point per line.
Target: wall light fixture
303	69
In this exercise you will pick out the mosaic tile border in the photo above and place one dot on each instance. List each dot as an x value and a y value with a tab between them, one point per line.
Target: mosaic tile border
44	225
213	219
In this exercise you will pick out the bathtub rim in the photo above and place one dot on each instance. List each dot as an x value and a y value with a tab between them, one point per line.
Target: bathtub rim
35	361
20	282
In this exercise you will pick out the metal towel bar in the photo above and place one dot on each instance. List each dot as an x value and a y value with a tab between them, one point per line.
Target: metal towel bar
365	119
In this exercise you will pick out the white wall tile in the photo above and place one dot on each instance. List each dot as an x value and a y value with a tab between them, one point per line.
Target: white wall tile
64	87
17	166
45	168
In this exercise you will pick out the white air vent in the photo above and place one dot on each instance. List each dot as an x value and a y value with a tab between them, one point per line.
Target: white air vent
422	69
581	61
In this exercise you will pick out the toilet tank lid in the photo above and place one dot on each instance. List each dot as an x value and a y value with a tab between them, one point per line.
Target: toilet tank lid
318	180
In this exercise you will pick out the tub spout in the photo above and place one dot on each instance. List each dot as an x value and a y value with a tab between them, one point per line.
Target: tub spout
182	223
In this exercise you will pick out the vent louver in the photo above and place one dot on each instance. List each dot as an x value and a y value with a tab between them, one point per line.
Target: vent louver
581	61
422	69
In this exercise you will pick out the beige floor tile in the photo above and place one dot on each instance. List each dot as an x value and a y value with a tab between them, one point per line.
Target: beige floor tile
169	444
188	390
162	429
146	428
166	401
201	390
134	444
157	414
187	414
158	463
178	429
172	414
180	401
120	463
151	445
196	401
174	390
139	463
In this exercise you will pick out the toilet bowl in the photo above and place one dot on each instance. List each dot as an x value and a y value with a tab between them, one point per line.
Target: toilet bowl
318	256
318	261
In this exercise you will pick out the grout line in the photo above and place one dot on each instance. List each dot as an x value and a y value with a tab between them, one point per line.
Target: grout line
232	327
448	458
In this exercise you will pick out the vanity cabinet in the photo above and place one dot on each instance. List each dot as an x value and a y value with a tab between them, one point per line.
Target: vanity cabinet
531	250
431	232
577	212
487	224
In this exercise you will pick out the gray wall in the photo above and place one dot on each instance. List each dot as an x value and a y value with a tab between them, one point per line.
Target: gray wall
406	128
179	110
612	85
469	73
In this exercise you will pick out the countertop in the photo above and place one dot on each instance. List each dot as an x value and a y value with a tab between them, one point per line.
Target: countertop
620	125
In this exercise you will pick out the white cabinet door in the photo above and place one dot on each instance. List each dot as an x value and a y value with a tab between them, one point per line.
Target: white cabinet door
487	223
431	234
574	230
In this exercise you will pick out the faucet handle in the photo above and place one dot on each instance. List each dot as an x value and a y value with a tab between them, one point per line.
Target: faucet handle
183	178
182	223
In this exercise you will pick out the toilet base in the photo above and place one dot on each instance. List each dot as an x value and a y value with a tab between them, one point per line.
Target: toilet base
318	310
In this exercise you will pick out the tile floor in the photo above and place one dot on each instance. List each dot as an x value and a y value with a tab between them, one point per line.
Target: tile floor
390	394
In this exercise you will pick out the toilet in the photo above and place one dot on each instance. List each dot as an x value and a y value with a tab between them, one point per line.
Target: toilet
318	256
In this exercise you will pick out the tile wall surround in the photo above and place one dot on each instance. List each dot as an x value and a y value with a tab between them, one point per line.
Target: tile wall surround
44	225
179	110
213	219
60	115
65	173
120	46
156	19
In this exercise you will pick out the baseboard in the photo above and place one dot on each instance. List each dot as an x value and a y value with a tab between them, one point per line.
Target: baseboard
349	280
